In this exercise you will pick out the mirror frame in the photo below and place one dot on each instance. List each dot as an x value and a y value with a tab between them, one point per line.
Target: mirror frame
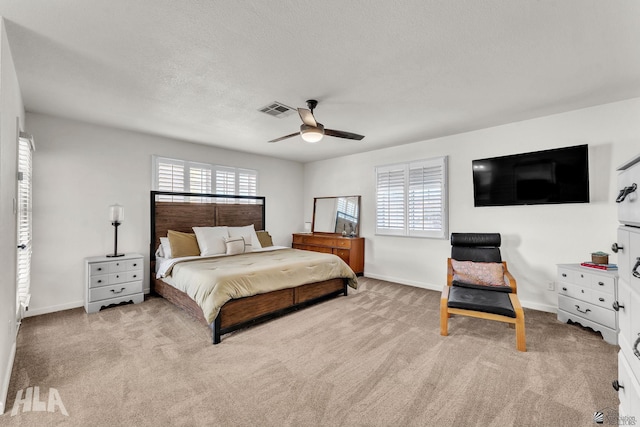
313	220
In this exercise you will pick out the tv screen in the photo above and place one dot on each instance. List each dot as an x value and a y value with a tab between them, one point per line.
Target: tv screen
543	177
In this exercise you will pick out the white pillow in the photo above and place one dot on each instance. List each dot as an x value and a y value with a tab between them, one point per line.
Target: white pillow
250	237
165	247
235	245
211	240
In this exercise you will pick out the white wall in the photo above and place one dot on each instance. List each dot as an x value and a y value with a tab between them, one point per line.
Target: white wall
535	238
11	109
80	169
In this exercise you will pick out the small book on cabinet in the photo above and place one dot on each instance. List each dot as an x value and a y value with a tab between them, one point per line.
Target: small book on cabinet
599	266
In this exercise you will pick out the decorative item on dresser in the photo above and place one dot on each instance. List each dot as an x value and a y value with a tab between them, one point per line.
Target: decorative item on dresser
627	303
110	282
350	249
116	216
586	296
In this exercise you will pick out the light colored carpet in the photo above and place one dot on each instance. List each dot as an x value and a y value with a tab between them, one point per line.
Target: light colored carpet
374	358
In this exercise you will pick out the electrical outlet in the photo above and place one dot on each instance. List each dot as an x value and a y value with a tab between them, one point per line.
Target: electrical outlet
551	286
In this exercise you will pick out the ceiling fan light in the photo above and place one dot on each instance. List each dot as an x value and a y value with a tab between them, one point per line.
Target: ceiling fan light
310	133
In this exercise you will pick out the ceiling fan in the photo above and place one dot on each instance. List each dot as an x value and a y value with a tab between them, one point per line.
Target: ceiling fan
312	131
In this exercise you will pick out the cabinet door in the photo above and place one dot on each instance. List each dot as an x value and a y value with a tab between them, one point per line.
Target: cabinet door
623	254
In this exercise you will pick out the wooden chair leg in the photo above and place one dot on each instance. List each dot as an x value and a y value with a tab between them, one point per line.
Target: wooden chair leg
521	340
444	313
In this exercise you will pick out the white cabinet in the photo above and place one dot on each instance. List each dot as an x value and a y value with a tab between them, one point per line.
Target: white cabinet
627	248
113	281
628	303
586	296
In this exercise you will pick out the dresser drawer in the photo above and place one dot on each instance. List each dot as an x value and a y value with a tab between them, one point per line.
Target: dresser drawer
126	276
115	266
588	311
603	284
575	291
322	249
314	240
112	291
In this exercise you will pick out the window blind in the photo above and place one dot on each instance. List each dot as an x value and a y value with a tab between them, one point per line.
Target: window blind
185	176
411	199
25	169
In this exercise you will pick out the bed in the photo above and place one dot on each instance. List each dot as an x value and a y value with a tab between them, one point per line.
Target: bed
284	291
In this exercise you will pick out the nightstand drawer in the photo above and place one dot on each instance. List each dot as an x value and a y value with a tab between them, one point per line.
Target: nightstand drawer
112	291
574	291
603	284
126	276
588	311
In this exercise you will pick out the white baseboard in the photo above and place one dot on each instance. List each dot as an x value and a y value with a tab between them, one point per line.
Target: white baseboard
525	304
6	378
53	308
406	282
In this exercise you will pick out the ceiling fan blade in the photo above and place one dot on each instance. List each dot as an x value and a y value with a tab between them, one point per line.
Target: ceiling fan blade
343	134
307	117
284	137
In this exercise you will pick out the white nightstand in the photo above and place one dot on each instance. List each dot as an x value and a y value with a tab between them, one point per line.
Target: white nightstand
113	281
586	296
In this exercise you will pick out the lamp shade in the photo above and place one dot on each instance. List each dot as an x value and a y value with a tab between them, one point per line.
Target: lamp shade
116	213
310	133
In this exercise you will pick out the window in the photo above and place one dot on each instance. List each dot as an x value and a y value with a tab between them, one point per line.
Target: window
25	156
193	177
411	199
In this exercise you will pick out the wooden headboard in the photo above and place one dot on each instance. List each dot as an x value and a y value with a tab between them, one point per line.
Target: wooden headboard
181	211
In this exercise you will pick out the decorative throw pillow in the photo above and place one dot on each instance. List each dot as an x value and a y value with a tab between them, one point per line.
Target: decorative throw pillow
165	247
183	244
264	238
249	233
211	240
478	273
235	245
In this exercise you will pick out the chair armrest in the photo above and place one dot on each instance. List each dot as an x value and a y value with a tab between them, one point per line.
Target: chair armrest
449	272
509	278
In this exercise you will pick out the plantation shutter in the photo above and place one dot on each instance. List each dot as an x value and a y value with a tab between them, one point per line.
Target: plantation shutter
426	204
390	199
411	199
25	168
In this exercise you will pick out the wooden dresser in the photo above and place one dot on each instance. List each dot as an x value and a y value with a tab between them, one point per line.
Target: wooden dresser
350	249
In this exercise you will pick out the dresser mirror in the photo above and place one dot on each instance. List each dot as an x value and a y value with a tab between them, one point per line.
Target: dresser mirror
339	215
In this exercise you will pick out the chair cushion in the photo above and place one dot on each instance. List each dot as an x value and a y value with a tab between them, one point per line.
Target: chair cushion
487	301
478	273
479	247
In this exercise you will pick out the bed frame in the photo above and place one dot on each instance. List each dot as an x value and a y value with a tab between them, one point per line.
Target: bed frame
180	212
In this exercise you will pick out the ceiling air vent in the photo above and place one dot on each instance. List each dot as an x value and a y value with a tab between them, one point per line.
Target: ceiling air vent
277	109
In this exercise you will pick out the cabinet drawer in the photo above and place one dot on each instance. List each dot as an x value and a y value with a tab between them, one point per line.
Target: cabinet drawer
343	243
629	393
603	284
326	250
575	291
602	299
99	268
100	280
566	275
112	291
126	276
588	311
115	266
342	253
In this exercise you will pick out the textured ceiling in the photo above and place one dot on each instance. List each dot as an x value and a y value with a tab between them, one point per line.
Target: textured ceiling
394	71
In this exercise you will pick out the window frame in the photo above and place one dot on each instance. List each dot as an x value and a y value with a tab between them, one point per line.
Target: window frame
396	218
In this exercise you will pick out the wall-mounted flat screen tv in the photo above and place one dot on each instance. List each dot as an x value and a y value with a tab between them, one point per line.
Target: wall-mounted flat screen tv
559	175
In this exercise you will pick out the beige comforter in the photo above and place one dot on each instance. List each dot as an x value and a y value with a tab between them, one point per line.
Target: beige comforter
211	282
